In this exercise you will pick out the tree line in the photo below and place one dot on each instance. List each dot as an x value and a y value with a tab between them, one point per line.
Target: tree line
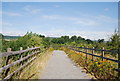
112	44
33	39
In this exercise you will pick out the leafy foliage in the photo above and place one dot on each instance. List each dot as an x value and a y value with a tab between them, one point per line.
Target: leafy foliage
112	44
100	69
33	39
28	40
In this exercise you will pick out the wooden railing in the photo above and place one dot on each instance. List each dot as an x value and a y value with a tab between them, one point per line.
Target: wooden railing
85	51
23	55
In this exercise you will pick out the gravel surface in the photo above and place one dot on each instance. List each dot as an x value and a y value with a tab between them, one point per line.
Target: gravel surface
60	66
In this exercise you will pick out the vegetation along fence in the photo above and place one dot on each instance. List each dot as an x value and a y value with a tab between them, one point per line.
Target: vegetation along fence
17	59
91	52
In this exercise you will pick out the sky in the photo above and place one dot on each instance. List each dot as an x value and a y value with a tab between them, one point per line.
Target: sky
60	0
91	20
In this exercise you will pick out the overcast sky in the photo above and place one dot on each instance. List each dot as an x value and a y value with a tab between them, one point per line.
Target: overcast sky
91	20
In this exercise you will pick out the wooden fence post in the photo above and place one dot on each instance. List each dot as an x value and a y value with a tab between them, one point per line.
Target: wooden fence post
32	50
82	49
103	53
7	62
7	59
21	48
8	49
86	56
29	57
93	53
28	51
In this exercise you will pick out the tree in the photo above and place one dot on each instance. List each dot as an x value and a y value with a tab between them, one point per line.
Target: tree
89	41
54	40
61	41
41	36
46	42
74	38
65	38
115	41
100	40
34	41
79	38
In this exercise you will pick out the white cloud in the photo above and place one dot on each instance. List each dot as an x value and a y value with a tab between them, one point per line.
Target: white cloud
58	17
57	6
5	23
0	12
32	10
106	9
51	17
106	18
57	33
11	14
93	35
87	22
12	33
2	24
80	21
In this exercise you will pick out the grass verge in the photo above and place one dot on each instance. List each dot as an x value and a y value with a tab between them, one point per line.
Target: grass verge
34	69
98	68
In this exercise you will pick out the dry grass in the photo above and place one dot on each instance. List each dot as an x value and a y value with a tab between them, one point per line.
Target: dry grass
100	69
34	70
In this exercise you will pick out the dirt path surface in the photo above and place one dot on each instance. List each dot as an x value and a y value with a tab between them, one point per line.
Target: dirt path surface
61	67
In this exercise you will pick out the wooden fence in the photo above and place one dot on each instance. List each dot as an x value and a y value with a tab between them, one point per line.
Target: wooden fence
27	54
85	51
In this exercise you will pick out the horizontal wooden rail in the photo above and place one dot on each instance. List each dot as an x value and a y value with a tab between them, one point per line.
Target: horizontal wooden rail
113	51
16	52
7	77
102	55
9	53
16	62
118	61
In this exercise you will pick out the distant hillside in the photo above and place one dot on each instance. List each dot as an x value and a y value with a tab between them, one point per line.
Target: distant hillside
11	37
8	37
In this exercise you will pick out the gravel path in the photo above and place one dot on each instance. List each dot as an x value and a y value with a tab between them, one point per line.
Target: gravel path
61	67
